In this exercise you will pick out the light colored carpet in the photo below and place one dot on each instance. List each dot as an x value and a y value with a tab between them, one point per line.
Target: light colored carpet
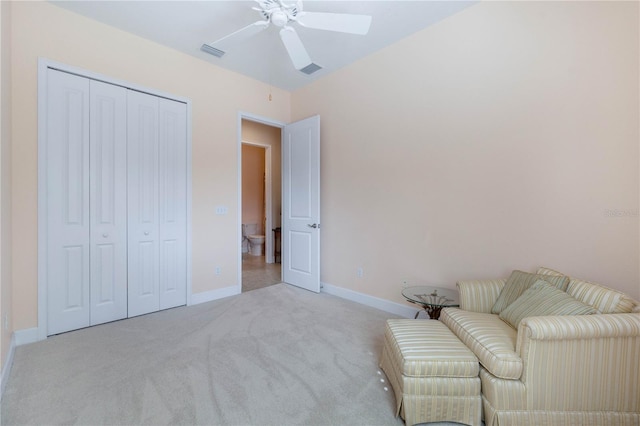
274	356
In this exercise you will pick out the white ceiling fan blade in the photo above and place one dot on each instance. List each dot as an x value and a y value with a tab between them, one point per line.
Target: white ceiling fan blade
242	34
295	48
342	22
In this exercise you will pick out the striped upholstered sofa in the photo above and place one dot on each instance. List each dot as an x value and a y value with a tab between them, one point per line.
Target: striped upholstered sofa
550	369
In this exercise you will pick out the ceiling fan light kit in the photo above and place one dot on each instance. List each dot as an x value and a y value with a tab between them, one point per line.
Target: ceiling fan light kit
283	15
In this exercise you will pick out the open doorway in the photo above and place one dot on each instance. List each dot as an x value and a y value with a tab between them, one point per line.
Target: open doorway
261	197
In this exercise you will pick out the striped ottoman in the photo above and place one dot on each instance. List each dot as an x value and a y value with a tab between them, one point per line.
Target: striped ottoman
433	374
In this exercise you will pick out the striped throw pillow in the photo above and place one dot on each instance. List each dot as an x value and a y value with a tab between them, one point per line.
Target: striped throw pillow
543	270
604	299
519	282
543	299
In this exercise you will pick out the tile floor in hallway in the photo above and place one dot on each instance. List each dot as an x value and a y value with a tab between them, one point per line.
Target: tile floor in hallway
256	273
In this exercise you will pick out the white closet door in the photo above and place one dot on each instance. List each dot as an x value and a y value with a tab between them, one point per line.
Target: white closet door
67	203
108	206
157	203
143	218
142	165
173	203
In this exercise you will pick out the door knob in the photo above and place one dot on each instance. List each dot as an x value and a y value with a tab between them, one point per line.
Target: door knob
146	232
315	225
105	235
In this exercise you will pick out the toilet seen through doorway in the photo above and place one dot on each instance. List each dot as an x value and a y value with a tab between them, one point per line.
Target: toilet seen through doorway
252	239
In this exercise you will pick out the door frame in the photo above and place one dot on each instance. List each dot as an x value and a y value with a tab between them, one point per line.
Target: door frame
43	66
268	238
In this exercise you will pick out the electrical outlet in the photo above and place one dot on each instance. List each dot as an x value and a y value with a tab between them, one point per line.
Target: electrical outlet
405	284
360	272
218	270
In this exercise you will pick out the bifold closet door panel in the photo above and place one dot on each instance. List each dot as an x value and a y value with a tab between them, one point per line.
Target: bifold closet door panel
67	202
157	203
142	196
173	203
108	202
115	196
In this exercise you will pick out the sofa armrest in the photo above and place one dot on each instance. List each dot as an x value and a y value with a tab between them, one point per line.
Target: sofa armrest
479	295
581	362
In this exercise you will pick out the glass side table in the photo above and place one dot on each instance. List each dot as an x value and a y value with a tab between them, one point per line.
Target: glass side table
432	299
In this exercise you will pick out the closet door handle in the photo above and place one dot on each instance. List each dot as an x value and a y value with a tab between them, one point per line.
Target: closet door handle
146	232
105	235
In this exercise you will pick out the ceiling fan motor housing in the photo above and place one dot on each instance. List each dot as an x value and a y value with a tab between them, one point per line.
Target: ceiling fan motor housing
280	14
279	18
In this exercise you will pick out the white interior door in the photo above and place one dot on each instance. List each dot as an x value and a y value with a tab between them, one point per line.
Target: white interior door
143	214
173	203
108	205
67	180
301	204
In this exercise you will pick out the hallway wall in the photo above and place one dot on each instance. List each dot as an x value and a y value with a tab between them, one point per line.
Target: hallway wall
254	132
253	195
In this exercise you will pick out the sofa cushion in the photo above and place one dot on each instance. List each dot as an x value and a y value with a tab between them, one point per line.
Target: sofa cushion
604	299
492	340
540	300
519	282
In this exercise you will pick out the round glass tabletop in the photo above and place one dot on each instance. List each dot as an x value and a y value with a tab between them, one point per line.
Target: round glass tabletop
432	296
432	299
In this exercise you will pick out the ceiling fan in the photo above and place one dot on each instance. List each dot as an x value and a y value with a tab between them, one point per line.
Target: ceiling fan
282	15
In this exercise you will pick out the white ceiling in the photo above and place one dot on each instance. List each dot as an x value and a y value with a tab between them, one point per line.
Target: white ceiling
186	25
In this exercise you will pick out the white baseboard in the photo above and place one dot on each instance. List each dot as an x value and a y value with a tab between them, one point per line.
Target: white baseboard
211	295
374	302
31	335
6	368
28	335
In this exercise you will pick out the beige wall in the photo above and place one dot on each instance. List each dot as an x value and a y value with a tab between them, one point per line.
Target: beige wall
505	137
5	181
253	189
44	30
263	134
